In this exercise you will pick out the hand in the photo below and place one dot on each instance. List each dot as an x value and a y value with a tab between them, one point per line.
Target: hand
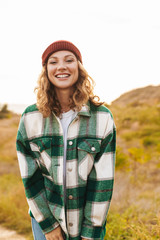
55	234
84	239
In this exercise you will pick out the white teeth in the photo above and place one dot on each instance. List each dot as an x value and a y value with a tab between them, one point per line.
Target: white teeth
62	76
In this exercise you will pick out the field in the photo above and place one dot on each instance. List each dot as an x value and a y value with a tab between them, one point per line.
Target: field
13	206
135	207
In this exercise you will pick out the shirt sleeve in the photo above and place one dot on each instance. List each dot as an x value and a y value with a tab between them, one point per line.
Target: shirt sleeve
33	182
100	186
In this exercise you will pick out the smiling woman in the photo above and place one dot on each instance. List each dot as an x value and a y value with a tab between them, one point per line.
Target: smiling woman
59	93
66	150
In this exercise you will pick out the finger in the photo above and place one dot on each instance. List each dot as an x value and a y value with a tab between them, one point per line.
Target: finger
61	238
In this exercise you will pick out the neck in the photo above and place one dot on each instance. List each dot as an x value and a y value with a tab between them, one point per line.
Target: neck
63	96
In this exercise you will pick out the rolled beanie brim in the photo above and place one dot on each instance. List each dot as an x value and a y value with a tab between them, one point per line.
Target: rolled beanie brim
59	46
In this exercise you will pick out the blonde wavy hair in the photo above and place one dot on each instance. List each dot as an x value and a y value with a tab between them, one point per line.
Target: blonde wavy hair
47	101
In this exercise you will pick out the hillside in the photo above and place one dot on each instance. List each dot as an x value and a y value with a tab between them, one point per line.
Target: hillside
138	125
148	95
135	209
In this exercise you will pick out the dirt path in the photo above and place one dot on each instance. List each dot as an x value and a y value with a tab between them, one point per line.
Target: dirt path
6	234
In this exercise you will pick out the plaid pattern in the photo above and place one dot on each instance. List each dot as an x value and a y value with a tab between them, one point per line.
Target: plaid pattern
89	170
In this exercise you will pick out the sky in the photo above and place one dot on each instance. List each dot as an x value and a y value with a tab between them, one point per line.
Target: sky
119	42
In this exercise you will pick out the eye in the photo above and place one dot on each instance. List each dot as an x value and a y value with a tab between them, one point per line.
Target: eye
52	62
69	60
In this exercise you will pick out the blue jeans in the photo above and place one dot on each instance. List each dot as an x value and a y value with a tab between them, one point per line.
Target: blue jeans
37	232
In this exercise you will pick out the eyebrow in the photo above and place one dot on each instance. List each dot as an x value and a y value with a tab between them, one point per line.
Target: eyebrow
64	56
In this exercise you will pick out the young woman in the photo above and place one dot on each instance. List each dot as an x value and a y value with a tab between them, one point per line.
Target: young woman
66	150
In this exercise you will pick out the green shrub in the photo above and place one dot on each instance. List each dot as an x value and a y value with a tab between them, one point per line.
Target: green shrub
148	141
158	147
121	159
139	155
4	109
131	225
4	112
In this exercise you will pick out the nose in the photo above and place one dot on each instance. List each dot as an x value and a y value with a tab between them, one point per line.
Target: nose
61	66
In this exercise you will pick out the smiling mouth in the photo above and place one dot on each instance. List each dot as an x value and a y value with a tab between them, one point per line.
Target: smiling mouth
62	75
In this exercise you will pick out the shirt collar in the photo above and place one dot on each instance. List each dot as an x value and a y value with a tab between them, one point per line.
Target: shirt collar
85	110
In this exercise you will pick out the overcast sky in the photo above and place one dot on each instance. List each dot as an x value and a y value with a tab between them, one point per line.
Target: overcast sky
119	42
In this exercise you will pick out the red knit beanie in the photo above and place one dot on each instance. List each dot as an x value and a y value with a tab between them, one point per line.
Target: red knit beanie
58	46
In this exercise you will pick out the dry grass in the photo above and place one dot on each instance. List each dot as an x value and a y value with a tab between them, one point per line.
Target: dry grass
135	207
8	132
13	205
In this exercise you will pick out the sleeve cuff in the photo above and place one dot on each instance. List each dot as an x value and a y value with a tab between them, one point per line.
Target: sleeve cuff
48	224
91	232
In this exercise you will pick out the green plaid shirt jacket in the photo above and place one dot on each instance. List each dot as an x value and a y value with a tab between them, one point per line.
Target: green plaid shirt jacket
90	161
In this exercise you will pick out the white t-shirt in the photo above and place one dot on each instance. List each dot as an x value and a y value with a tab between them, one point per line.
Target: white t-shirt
66	118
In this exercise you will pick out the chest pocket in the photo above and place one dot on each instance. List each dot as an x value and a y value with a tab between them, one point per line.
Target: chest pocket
42	150
40	145
87	150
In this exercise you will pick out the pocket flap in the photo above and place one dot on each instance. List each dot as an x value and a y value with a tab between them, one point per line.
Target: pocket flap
39	145
90	145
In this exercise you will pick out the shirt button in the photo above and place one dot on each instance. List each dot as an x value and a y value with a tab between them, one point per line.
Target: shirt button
93	149
70	143
69	169
70	197
70	224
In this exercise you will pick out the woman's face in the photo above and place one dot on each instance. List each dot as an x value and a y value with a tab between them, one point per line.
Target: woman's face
62	69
